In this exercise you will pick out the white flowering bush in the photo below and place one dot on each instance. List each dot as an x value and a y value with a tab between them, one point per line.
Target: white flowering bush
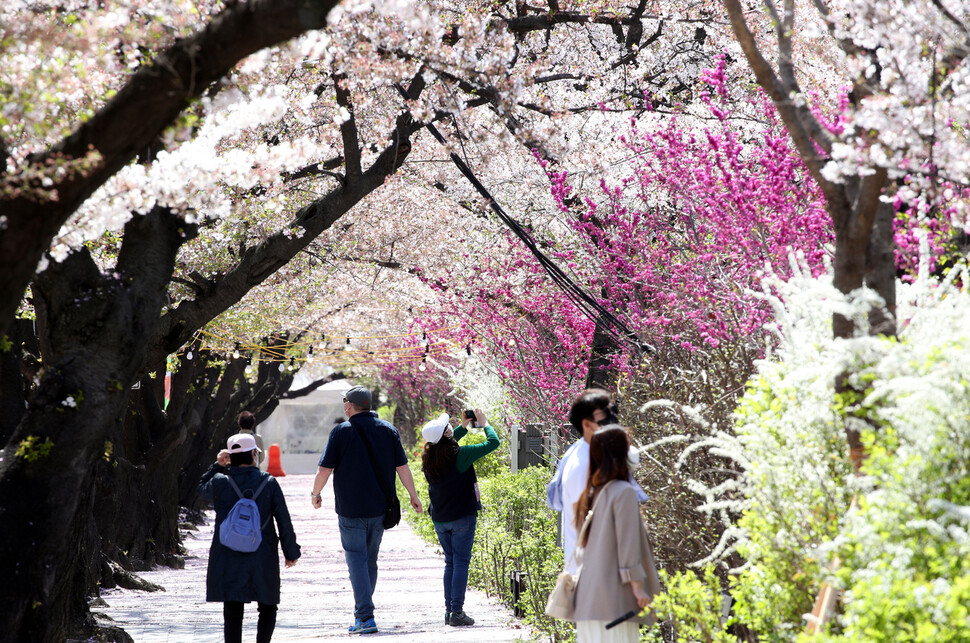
895	539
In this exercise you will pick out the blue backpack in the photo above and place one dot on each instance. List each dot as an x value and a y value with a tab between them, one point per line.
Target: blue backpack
242	529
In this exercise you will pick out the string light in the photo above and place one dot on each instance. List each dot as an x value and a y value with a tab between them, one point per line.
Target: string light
345	354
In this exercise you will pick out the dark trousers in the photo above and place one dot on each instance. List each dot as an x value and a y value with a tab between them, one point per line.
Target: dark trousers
232	615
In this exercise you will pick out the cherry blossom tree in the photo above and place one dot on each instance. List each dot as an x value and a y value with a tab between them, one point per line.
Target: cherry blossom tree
166	156
898	138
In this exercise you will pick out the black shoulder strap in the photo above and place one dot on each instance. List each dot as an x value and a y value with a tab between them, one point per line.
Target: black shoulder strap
373	464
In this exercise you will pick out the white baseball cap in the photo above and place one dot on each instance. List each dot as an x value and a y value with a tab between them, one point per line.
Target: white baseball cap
436	428
241	443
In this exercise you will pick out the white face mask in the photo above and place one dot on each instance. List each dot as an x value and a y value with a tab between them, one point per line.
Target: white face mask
633	457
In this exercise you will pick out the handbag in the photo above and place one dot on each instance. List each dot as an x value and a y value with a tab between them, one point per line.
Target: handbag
562	598
392	515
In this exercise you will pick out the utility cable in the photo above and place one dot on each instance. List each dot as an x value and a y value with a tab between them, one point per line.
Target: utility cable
618	331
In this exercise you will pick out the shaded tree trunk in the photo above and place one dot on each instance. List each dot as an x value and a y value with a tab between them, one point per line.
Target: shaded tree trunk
96	327
600	374
100	334
19	361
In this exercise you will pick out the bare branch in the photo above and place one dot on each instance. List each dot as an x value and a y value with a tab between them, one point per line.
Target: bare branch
324	168
802	126
348	129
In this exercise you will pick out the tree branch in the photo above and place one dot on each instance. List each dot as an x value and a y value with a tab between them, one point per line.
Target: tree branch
804	129
317	169
148	103
177	326
348	129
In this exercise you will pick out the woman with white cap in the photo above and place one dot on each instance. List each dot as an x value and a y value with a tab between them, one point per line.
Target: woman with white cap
455	501
233	577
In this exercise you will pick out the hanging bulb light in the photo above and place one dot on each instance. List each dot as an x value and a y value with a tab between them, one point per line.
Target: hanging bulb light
282	366
188	355
292	361
310	352
235	351
468	349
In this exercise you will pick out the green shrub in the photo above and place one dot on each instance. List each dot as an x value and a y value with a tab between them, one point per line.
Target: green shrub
691	605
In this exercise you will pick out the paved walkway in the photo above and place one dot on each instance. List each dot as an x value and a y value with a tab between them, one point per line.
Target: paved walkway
317	601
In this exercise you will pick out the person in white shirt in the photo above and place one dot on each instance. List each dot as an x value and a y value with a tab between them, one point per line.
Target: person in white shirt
591	409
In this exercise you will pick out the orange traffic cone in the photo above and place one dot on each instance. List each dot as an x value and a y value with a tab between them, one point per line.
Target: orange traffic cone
274	468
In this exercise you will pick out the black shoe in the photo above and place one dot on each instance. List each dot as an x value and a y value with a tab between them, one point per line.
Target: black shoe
447	618
460	619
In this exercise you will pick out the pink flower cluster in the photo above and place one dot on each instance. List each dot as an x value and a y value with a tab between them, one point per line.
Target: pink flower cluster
674	249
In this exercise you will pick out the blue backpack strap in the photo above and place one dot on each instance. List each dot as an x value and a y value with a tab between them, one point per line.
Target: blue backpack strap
259	490
235	487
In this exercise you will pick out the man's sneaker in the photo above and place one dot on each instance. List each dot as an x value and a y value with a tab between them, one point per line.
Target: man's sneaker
460	619
447	618
363	627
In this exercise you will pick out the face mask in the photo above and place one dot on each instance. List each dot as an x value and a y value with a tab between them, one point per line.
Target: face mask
633	457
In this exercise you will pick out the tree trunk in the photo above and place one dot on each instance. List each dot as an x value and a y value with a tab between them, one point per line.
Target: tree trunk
881	271
18	365
96	329
600	373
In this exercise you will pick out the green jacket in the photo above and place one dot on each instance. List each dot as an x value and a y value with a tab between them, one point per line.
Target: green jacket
471	452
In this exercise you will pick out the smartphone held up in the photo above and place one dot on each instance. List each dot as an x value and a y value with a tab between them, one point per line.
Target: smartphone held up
470	415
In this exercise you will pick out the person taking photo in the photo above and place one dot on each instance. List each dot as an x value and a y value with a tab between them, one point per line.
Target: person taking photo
455	500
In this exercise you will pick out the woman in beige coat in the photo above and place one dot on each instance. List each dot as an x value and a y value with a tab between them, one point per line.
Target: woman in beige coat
617	572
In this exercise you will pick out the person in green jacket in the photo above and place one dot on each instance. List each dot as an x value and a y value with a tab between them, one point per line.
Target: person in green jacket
455	501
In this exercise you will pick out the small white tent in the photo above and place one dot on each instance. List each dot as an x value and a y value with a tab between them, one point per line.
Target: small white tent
301	426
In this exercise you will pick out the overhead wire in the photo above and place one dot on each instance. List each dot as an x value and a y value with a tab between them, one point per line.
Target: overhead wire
615	328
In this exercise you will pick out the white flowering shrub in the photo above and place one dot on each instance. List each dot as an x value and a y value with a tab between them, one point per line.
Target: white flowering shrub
895	539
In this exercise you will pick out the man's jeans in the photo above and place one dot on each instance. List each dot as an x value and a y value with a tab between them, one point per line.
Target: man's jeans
456	538
361	540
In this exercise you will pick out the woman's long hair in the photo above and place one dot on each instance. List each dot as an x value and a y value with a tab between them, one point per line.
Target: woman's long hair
438	457
607	461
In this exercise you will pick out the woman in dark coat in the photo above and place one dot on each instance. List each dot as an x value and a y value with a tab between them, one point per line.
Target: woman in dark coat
234	578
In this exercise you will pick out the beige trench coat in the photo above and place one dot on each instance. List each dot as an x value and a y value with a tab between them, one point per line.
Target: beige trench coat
617	553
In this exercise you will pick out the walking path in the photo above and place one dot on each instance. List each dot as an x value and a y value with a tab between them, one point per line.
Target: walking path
317	601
